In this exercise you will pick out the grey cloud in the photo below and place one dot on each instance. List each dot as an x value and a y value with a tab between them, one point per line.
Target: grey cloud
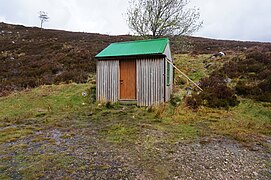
235	19
223	19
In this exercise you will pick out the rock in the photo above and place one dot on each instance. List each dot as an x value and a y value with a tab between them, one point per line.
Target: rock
255	173
228	80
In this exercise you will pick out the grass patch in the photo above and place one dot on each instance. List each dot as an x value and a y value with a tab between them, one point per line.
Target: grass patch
250	120
11	134
38	166
179	132
192	66
247	122
25	112
120	132
45	100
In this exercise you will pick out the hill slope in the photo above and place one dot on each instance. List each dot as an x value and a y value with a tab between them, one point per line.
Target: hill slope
30	57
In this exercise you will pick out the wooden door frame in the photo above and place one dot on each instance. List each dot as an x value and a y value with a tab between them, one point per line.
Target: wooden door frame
119	87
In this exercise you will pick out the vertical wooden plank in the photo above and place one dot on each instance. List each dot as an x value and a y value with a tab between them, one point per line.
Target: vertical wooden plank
158	83
150	81
101	81
155	82
145	82
109	85
115	69
112	90
142	83
151	89
105	81
107	77
161	66
138	85
97	81
162	80
115	81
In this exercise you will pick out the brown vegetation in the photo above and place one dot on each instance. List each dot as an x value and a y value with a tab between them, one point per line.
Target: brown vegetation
251	73
216	94
30	57
199	45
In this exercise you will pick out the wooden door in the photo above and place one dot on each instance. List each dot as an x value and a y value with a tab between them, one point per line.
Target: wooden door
127	79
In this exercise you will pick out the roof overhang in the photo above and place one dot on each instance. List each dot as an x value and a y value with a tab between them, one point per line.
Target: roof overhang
139	56
150	47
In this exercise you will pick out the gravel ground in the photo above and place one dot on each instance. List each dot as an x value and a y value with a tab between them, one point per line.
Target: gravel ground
147	158
220	159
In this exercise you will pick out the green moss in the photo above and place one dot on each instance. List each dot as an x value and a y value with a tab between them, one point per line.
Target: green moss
120	132
179	132
36	166
11	134
4	176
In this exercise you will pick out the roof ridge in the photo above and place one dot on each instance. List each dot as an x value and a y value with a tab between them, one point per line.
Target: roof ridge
144	40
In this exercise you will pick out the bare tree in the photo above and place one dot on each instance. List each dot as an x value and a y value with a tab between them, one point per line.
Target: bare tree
43	18
162	17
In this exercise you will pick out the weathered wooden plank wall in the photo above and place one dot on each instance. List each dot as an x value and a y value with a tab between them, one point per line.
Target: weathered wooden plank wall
169	88
150	81
107	80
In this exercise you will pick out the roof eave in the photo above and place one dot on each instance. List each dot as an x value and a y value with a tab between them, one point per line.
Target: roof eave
138	56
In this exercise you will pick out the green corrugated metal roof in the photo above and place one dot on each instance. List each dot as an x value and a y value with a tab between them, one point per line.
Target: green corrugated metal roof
131	48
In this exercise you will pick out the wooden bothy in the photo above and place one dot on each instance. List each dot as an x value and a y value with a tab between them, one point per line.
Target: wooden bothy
135	71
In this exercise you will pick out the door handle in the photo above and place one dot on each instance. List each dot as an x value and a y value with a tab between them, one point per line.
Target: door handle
121	81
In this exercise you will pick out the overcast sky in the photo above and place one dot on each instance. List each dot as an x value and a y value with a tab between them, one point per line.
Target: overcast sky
223	19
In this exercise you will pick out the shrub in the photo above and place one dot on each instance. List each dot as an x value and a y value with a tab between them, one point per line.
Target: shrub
215	94
111	105
254	73
265	97
175	100
265	86
92	92
242	89
258	56
193	101
265	73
